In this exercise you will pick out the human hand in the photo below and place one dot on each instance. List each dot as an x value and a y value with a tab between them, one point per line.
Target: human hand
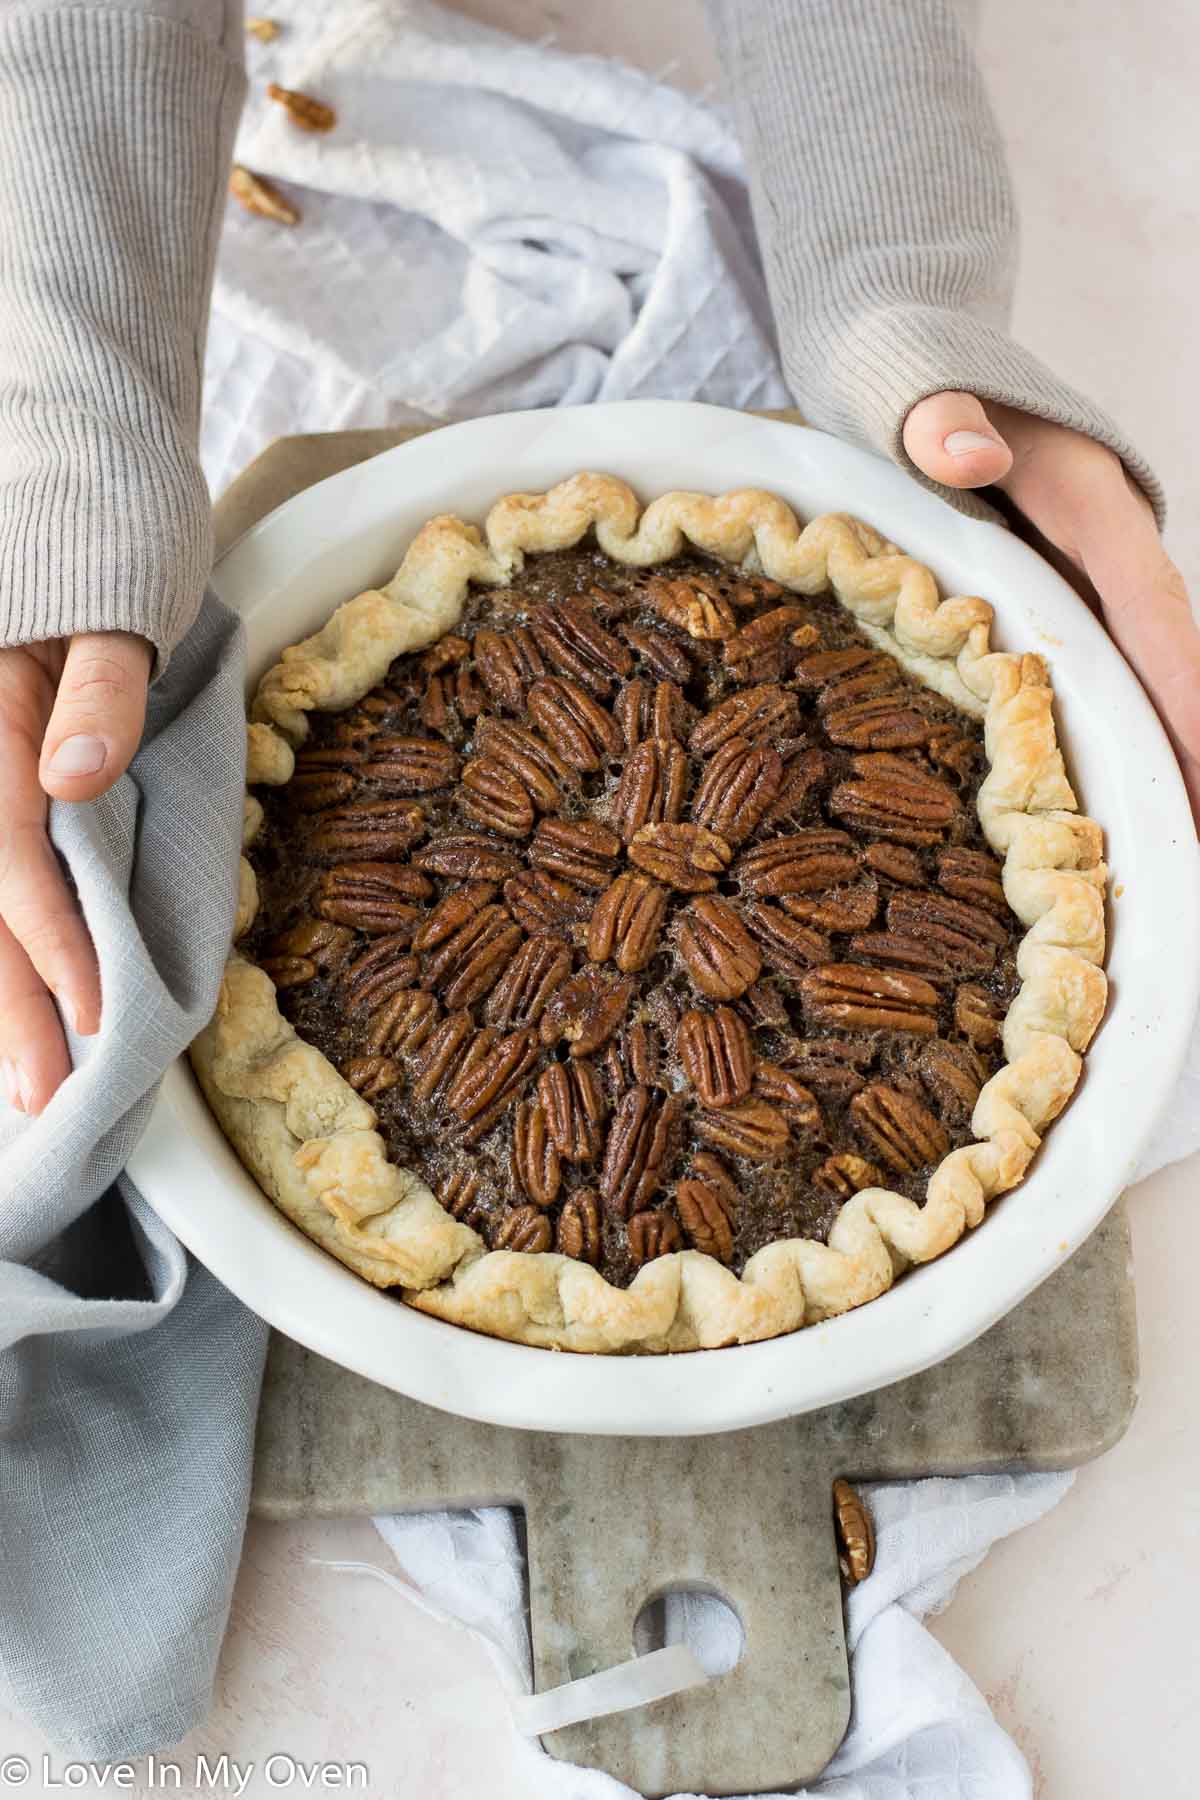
71	716
1077	496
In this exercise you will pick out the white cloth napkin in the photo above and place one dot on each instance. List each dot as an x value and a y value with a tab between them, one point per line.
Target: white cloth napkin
494	224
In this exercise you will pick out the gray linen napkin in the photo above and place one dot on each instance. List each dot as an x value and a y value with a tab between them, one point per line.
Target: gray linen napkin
129	1376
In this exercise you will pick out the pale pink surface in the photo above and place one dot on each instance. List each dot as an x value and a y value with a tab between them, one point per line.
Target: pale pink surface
1079	1631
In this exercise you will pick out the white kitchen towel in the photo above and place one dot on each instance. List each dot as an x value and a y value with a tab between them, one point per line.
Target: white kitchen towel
495	224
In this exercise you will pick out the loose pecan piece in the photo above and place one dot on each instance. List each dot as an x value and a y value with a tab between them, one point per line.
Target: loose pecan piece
641	1137
468	965
707	1217
495	1078
631	1057
467	856
369	831
289	971
573	1102
716	949
829	1065
759	651
302	109
258	195
954	1074
862	999
574	642
525	1228
402	1022
459	1194
844	1174
440	1055
686	857
535	1163
379	972
803	769
779	1087
626	922
737	789
444	654
450	914
652	787
566	715
978	1016
903	1133
323	944
896	798
659	653
973	876
693	604
586	1010
508	663
716	1054
788	947
646	709
410	765
855	1533
581	851
579	1229
451	701
372	1076
652	1234
753	1129
521	995
542	902
523	753
805	862
372	897
761	715
492	796
764	1006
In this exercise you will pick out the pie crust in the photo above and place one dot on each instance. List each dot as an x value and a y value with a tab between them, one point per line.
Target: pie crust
310	1139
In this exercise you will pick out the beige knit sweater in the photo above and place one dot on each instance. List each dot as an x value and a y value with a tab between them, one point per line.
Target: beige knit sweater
880	191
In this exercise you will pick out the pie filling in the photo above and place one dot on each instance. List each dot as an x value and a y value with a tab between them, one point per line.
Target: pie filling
649	909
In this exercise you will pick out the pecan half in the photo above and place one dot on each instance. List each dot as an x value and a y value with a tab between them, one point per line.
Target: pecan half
652	1234
640	1140
492	796
834	668
574	642
737	789
646	709
402	1022
535	1163
658	653
450	914
759	651
372	1076
496	1078
508	663
753	1129
369	831
314	787
920	912
652	787
978	1016
883	723
973	876
896	798
521	995
896	863
761	715
844	1174
410	765
379	972
572	1100
693	604
781	1088
626	922
542	902
467	856
841	909
579	1230
459	1194
716	1054
788	947
707	1218
439	1056
536	766
451	701
468	965
289	971
803	769
586	1010
525	1229
830	1065
372	897
686	857
631	1057
954	1074
716	949
862	999
582	733
805	862
581	851
903	1133
323	944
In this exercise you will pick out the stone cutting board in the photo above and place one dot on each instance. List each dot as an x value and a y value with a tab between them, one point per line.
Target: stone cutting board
615	1522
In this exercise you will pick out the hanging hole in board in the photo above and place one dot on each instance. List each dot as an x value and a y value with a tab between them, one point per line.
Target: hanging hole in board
699	1617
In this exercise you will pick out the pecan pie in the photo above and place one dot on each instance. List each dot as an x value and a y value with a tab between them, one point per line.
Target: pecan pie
656	932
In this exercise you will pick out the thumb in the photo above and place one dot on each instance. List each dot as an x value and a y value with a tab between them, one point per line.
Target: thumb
951	439
98	715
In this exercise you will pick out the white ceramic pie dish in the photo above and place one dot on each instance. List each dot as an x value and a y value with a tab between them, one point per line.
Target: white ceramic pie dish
285	577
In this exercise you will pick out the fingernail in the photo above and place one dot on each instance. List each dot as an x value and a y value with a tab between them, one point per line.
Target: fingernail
82	755
12	1084
961	443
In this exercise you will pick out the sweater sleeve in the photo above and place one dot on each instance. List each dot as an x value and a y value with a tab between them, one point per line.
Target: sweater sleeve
886	216
116	129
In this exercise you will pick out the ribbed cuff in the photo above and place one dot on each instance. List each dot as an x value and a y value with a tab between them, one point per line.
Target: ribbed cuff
115	136
877	365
